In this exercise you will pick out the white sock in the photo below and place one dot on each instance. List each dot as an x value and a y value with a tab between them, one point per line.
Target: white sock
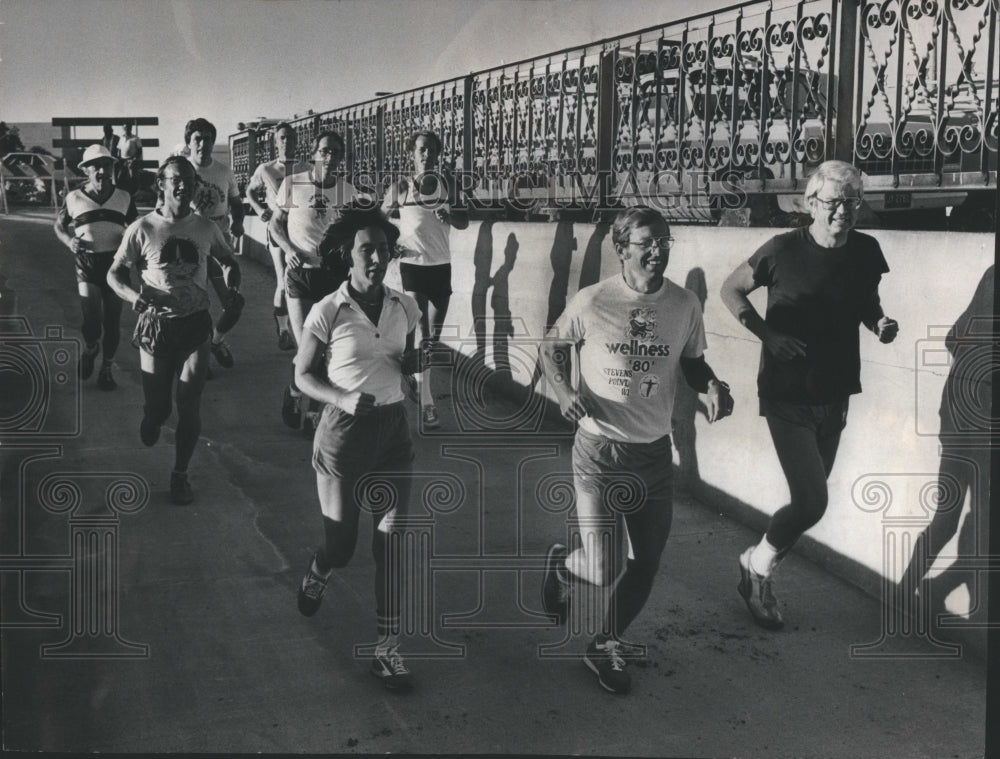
763	557
386	643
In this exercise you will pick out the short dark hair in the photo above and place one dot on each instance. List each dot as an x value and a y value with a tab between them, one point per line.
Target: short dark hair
283	125
411	141
339	236
333	136
198	125
177	160
631	218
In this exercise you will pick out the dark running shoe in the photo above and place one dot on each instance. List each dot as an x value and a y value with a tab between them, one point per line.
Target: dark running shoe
180	489
87	359
222	354
312	588
758	595
286	341
149	433
605	660
555	585
389	667
291	411
106	380
430	417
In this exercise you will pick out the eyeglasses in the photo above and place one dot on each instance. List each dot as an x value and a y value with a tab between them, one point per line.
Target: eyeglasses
330	151
830	204
663	243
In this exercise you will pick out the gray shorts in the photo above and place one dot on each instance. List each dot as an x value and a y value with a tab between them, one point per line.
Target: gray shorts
615	470
349	447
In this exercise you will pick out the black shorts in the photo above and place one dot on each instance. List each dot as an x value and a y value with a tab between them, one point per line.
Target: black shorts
311	284
174	336
92	268
432	281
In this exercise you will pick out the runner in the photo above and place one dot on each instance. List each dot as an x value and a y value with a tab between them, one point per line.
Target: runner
629	333
428	206
354	348
822	283
217	198
267	179
170	248
308	202
91	224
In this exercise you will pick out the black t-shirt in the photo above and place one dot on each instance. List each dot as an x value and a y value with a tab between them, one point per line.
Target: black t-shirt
820	296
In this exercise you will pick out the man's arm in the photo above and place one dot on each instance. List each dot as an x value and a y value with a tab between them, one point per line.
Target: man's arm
236	211
278	227
699	376
255	185
556	361
61	228
734	292
458	217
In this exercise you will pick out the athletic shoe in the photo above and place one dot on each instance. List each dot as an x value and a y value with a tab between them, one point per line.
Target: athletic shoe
389	667
105	380
605	661
149	433
222	354
555	586
431	420
286	341
756	591
410	388
632	651
180	489
291	411
87	359
312	588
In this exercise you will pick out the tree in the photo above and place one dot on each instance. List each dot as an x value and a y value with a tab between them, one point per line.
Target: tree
10	139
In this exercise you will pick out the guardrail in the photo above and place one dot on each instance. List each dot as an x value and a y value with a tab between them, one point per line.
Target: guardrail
690	113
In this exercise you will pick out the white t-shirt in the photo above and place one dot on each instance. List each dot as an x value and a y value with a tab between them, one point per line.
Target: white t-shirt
362	356
131	147
311	209
270	175
423	238
171	256
217	186
629	346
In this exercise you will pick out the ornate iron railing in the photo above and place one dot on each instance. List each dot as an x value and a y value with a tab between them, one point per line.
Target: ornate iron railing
685	114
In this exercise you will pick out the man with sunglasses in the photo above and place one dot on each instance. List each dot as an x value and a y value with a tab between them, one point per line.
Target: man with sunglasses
630	334
822	283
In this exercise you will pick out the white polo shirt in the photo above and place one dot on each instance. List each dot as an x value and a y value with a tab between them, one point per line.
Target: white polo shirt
362	356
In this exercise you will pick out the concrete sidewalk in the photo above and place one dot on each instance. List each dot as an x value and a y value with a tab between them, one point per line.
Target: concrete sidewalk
221	661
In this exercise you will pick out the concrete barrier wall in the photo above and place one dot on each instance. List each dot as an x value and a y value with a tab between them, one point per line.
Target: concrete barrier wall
512	279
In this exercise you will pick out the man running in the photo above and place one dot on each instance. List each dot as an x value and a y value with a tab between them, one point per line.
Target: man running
267	179
308	202
91	224
170	248
217	198
630	334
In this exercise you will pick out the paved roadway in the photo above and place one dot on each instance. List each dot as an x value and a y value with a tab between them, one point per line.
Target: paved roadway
229	665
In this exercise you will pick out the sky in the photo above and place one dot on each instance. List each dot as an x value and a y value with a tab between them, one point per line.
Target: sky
236	60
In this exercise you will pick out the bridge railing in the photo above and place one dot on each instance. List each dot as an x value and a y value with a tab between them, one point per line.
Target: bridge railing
748	99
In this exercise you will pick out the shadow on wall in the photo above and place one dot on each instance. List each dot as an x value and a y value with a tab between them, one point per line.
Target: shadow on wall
503	323
963	474
482	260
687	404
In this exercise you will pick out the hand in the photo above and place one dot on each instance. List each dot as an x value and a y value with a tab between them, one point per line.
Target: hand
357	404
784	347
410	361
79	245
886	329
442	215
266	216
237	228
573	406
293	260
720	402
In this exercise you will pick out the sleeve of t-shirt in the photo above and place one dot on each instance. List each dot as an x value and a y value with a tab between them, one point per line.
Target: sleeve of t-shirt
880	265
320	321
762	263
256	180
130	250
696	342
219	247
569	327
